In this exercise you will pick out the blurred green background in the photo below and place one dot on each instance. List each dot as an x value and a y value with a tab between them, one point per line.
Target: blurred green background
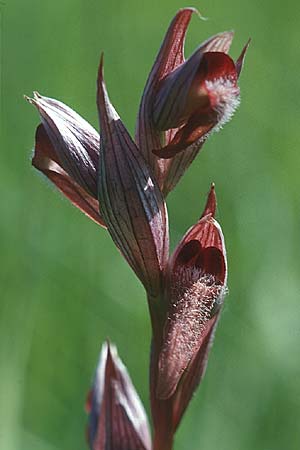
65	288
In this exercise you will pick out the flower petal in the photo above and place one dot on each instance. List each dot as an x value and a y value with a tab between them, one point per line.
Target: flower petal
198	98
46	161
117	419
173	91
131	202
75	142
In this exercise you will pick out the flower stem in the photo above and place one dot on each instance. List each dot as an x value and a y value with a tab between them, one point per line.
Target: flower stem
162	410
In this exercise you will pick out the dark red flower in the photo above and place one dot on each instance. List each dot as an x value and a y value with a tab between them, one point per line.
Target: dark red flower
195	290
184	101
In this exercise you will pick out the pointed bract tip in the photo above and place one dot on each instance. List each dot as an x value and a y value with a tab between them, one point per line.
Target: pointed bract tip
100	77
240	61
193	10
35	99
248	42
211	202
111	350
100	81
100	69
246	46
29	99
101	61
36	95
200	15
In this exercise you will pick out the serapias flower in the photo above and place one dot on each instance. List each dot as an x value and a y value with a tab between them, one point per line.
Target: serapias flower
195	286
184	101
117	420
67	152
131	202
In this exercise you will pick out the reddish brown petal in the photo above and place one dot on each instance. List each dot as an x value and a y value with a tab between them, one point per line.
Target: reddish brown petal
206	233
131	202
45	160
212	262
190	136
189	252
117	420
216	65
175	97
199	97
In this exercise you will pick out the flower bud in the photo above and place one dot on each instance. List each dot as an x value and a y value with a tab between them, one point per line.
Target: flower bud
75	142
117	419
66	151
